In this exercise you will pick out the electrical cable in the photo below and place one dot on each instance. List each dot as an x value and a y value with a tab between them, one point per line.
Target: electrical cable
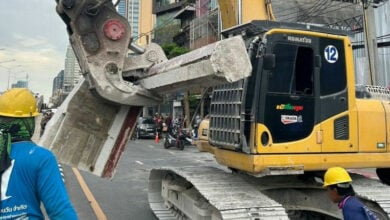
335	6
313	10
290	13
166	23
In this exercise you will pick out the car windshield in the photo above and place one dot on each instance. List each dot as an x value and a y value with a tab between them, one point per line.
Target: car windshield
148	121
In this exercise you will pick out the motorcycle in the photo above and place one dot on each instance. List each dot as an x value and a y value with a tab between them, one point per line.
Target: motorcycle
177	137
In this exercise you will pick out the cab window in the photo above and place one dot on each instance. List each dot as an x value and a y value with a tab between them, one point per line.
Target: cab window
293	72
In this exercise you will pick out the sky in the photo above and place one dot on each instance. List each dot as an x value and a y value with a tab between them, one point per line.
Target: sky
35	37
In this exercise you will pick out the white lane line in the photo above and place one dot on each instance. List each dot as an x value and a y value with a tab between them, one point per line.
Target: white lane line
171	152
139	162
151	146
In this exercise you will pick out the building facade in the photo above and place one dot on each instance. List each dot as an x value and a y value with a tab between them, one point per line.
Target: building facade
20	84
58	82
140	17
66	79
58	96
72	72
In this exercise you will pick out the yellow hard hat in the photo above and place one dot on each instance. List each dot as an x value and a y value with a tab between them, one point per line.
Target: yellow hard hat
336	175
18	103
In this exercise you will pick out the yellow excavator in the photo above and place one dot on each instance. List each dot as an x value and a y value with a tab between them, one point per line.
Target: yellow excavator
285	108
301	101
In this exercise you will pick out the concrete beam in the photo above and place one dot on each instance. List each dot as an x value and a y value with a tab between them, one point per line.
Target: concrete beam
218	63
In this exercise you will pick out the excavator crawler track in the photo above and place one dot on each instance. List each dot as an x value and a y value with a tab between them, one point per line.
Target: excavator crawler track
212	193
375	194
219	195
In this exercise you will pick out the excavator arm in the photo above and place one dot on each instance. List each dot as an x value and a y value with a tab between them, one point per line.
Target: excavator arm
235	12
91	128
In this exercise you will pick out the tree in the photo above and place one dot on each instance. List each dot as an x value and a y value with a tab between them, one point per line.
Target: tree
172	50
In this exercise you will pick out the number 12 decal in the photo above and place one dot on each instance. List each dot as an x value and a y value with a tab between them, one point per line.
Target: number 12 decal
331	54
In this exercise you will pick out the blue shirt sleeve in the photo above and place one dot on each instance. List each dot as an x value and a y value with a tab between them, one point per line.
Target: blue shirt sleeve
355	210
52	190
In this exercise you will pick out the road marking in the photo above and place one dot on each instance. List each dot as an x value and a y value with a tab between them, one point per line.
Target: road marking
139	162
151	146
94	204
171	152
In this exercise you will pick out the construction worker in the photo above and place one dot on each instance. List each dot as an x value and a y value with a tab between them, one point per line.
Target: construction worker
29	174
339	188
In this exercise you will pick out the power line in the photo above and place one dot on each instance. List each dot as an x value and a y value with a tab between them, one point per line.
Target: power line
335	6
164	24
314	9
282	16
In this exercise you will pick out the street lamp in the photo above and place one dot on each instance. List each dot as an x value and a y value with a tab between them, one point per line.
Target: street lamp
9	72
15	77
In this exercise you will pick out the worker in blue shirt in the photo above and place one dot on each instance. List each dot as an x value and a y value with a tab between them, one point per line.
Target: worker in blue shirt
339	188
29	174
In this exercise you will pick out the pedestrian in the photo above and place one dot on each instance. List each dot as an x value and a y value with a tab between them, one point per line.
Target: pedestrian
45	119
339	188
29	174
195	125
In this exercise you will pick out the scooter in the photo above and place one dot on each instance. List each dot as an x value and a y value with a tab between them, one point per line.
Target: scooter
177	137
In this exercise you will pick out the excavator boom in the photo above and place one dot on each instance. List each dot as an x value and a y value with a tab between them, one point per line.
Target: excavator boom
235	12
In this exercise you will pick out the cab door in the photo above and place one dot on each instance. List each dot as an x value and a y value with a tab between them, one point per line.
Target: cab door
289	106
335	118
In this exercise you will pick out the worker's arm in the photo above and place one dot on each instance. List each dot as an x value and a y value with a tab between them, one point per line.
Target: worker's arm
52	191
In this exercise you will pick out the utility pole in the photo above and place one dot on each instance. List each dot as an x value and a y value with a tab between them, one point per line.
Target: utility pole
370	43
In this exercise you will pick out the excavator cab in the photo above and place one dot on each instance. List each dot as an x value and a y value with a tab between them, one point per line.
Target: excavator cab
297	112
294	81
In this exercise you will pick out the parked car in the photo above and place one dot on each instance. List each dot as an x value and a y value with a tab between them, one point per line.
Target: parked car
146	128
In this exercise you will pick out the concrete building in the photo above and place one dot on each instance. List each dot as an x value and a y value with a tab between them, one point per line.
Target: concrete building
167	25
72	72
58	82
66	79
57	91
20	84
140	17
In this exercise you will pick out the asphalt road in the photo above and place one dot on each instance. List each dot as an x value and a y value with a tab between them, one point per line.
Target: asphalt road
125	196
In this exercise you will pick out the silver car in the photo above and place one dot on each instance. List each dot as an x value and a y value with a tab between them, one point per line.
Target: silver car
146	128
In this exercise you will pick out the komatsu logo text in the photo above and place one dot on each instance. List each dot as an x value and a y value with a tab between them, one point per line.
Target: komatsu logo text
299	39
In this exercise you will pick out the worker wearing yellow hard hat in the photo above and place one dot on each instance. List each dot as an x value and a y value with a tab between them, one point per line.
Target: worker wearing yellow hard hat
337	181
29	174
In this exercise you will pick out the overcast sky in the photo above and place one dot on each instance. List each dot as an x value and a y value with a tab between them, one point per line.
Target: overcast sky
35	37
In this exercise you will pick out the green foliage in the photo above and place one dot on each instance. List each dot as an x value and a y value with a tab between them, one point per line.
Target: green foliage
194	102
172	50
165	33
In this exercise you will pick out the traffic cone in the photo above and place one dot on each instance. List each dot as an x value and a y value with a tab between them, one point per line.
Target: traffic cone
156	139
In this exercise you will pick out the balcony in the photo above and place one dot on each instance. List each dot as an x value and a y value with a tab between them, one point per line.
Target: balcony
161	6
